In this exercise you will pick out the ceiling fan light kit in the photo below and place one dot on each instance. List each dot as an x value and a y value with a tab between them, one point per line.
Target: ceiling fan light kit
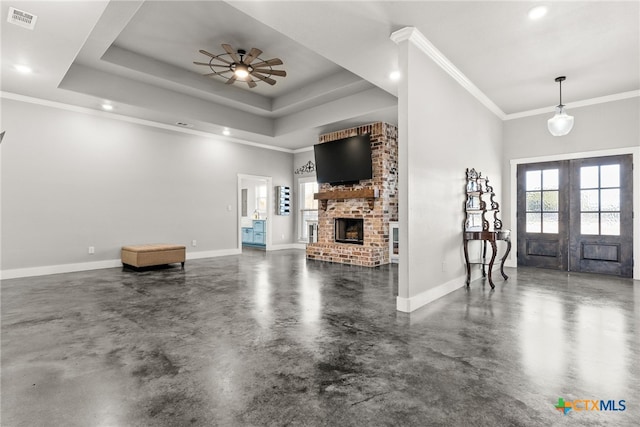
237	65
561	123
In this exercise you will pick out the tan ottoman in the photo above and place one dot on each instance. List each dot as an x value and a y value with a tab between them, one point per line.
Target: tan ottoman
156	254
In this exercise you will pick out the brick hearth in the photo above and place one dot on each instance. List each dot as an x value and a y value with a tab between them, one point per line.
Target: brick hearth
375	249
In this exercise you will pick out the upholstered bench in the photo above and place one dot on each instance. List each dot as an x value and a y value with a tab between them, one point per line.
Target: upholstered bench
156	254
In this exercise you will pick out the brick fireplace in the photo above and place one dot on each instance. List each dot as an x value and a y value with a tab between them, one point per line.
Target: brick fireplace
372	202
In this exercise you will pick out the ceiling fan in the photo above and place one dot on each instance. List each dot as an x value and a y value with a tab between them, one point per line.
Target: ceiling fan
240	66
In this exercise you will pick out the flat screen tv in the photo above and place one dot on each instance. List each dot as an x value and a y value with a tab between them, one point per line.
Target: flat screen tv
344	161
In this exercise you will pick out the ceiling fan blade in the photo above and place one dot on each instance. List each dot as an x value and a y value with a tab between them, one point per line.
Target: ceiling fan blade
251	83
217	73
204	52
264	78
231	52
280	73
216	57
231	80
253	54
210	65
268	63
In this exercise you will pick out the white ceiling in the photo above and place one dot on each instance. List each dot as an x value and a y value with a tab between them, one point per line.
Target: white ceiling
138	55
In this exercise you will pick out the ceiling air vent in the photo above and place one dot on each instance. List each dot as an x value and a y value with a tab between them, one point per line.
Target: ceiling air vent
22	18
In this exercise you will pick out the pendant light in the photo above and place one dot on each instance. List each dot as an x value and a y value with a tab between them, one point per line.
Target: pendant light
562	123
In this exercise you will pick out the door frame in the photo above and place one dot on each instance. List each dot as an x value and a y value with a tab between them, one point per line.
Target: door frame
540	240
512	261
270	207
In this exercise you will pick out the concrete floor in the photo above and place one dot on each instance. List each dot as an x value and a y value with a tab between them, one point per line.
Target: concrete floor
270	339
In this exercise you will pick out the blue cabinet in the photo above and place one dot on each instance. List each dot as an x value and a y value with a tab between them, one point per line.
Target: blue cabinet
258	238
256	235
247	235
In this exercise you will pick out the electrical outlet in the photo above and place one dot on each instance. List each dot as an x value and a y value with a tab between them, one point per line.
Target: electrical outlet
194	243
229	208
444	266
92	250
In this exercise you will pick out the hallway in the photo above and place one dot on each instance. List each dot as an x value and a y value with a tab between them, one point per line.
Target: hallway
269	338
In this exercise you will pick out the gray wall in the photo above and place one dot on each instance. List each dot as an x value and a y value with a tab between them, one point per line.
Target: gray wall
442	131
72	180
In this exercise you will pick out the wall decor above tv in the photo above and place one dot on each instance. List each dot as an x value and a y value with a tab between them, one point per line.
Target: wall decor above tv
344	161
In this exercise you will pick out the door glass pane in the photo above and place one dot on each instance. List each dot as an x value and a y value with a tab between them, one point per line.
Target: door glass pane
610	224
550	179
550	201
589	177
550	223
534	179
589	200
533	223
589	223
610	176
610	200
533	202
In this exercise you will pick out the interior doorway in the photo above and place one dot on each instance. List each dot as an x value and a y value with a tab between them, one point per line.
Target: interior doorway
577	215
254	208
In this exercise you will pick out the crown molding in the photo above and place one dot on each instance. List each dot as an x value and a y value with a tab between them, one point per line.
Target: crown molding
413	35
143	122
303	149
577	104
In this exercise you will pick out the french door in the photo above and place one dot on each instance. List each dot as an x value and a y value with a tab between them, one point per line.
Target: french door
576	215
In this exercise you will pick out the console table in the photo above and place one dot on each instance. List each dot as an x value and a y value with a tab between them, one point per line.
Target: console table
491	237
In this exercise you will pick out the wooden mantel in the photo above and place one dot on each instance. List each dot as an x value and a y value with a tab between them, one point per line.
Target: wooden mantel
364	193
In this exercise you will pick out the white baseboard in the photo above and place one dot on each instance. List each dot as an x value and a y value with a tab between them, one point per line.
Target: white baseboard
57	269
213	254
287	246
407	305
97	265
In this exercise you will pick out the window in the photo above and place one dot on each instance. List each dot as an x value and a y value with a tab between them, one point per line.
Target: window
542	190
308	213
600	200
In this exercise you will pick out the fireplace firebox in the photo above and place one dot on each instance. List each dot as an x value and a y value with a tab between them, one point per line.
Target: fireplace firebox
350	230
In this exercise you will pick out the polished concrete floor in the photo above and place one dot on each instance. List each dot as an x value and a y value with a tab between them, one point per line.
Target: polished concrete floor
270	339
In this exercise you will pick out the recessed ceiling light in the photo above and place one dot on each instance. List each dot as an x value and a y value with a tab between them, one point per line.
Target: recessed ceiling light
107	107
537	12
395	75
24	69
226	132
